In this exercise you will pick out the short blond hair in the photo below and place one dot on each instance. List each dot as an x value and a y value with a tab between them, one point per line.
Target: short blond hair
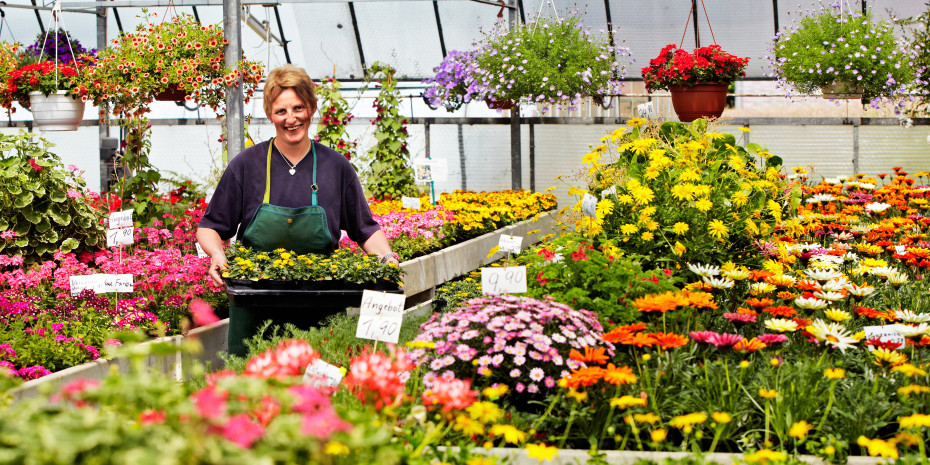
288	77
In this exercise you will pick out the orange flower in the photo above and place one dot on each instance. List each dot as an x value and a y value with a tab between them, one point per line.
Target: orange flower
748	345
638	340
784	311
619	375
747	311
590	355
700	300
583	377
760	274
759	303
660	302
669	340
787	295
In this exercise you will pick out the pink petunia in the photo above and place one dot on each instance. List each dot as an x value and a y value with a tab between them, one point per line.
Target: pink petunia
701	337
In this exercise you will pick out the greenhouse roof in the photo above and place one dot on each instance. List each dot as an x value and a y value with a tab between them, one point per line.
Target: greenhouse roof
335	37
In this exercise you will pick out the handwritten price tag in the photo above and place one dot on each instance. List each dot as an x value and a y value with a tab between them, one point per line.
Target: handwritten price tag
510	244
589	205
322	374
118	237
612	190
380	316
121	219
886	333
900	249
646	110
410	202
93	282
505	280
200	252
121	283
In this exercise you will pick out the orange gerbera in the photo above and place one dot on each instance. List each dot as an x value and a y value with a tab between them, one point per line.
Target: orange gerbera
622	332
619	375
748	345
759	303
669	340
700	300
747	311
787	295
638	340
782	310
760	274
660	302
590	355
583	377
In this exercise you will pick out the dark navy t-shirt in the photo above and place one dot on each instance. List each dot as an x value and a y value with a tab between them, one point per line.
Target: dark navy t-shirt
242	188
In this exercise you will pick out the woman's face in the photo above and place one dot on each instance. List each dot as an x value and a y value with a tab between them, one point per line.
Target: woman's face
291	117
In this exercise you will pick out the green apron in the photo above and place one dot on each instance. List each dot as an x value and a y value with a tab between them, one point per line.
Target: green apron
303	230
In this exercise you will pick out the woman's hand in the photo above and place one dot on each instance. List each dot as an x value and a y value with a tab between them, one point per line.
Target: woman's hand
217	264
212	245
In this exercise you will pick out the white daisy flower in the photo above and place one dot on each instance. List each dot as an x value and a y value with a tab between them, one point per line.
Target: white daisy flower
810	303
859	291
897	277
821	198
877	206
830	296
835	285
908	316
823	275
704	271
719	283
913	331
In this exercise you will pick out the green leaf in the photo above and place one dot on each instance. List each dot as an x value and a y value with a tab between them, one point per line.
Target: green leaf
69	244
58	215
30	215
754	147
14	189
773	162
23	200
58	196
43	225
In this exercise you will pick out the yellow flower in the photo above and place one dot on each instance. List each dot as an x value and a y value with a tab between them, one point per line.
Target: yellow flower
909	370
493	251
800	429
467	426
482	460
690	175
891	357
684	422
721	417
510	433
837	315
917	420
578	396
335	448
650	418
635	122
591	157
541	452
625	199
717	229
684	191
485	412
878	447
647	236
834	373
744	364
627	401
679	248
768	393
781	325
495	392
604	207
658	435
680	227
629	229
764	455
913	389
703	204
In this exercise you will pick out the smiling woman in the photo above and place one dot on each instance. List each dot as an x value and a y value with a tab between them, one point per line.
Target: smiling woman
289	193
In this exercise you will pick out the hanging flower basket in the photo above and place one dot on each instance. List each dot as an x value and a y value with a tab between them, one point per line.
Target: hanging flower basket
843	90
171	94
56	112
699	100
499	104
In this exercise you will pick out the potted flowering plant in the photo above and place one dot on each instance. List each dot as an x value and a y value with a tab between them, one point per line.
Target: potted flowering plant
547	61
844	54
698	80
177	55
9	62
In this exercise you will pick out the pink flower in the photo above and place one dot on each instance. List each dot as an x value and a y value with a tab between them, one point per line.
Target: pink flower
210	403
202	313
740	317
73	193
112	342
451	394
722	341
769	339
34	165
701	337
33	372
290	358
323	424
150	416
73	390
8	235
242	430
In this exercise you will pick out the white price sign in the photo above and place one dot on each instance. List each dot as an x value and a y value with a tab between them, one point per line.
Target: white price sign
436	169
612	190
117	282
410	202
93	282
886	333
646	110
505	280
900	249
322	374
121	219
589	205
118	237
510	244
200	252
380	316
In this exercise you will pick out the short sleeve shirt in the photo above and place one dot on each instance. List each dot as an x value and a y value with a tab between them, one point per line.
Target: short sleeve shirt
242	188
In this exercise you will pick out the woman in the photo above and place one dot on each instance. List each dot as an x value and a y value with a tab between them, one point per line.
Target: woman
289	192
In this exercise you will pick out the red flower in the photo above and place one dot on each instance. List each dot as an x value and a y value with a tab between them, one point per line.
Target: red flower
202	313
34	165
451	394
150	416
210	402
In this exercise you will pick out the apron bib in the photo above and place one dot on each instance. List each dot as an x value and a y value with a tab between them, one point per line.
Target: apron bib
302	230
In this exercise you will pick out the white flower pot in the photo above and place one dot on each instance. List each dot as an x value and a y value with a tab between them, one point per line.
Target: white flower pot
56	112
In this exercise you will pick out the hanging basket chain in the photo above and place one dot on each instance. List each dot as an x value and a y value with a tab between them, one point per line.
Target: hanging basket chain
706	17
56	20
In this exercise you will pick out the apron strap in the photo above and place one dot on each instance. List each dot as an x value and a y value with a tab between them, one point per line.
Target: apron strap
314	188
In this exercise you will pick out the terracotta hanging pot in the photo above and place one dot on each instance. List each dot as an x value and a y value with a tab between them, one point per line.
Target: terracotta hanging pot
171	94
56	112
499	104
699	101
843	90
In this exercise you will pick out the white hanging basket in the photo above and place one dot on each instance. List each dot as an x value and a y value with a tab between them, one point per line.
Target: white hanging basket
56	112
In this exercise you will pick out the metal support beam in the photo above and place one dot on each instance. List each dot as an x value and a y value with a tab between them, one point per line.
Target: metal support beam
358	40
516	168
232	17
102	44
532	158
775	14
697	29
38	18
462	157
442	40
284	41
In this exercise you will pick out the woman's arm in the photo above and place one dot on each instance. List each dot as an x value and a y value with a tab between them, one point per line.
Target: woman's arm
377	244
212	245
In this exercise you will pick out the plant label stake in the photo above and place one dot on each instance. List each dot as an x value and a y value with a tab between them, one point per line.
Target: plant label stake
380	316
646	110
322	374
589	205
82	282
885	333
200	252
121	236
410	202
510	244
503	280
121	219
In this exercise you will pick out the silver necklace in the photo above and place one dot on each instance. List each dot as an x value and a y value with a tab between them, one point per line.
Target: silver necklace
293	169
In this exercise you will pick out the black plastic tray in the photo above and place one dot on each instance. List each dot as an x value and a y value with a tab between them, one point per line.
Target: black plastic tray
297	294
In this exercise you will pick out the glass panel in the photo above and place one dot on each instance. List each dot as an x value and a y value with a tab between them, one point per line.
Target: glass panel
740	30
646	27
322	38
881	147
404	36
463	21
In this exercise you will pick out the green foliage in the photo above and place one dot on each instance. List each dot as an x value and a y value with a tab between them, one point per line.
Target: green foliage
452	294
391	176
138	189
44	204
334	118
573	272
